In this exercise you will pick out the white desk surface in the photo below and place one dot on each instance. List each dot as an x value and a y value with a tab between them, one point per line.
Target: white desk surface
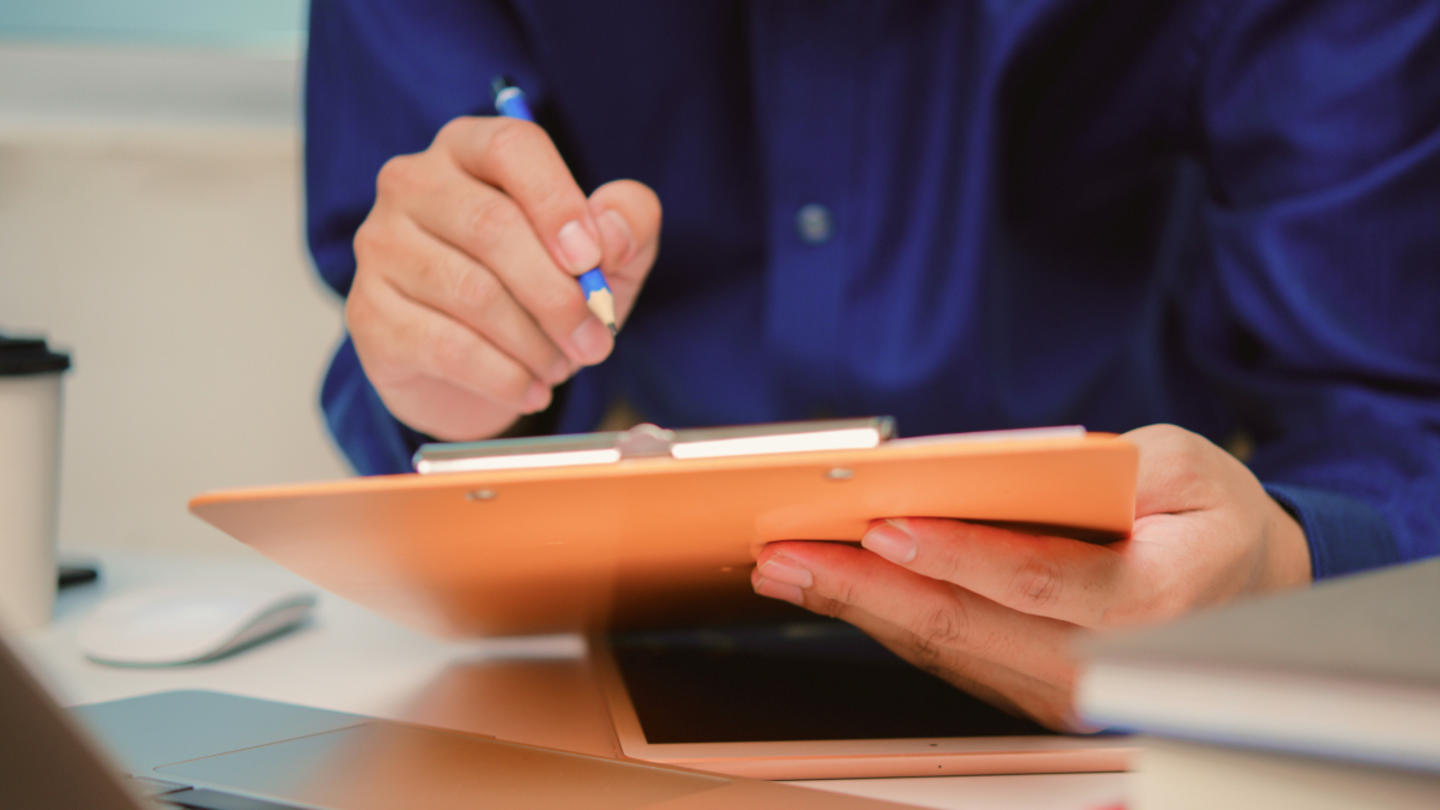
352	660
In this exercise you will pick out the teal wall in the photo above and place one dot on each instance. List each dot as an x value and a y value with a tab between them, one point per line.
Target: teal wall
241	23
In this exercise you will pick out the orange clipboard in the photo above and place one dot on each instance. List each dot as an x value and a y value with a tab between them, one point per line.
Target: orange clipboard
649	527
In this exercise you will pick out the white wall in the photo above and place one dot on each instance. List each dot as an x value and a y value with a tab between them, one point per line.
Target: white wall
160	239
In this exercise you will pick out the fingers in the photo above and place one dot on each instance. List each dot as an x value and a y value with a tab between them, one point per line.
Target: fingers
1195	498
398	339
1056	577
629	217
518	158
441	277
1193	543
466	272
491	229
1176	470
999	654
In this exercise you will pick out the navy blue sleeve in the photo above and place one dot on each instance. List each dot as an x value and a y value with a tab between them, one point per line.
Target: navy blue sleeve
381	78
1321	127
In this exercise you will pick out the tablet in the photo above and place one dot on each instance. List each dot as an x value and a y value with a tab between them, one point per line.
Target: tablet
652	538
815	700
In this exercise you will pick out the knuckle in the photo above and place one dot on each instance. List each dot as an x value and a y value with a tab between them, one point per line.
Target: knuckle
844	592
370	241
930	655
510	137
559	201
449	354
1179	462
454	130
476	290
397	175
491	220
1035	584
943	628
937	636
508	383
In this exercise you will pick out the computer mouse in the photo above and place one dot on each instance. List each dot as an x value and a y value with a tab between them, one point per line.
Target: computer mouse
188	624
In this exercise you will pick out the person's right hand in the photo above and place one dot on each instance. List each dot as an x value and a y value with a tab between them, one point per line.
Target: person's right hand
465	310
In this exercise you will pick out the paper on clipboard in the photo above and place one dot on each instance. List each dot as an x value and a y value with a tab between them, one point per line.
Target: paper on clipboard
648	441
651	441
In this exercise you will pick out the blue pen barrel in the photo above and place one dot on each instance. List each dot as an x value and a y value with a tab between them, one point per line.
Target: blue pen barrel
593	281
510	102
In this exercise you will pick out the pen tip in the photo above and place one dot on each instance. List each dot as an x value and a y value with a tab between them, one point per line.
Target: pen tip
613	329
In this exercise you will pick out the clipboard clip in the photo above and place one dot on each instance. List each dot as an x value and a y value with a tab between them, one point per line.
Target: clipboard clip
647	441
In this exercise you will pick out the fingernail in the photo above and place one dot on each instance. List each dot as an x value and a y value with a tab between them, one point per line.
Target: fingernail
891	542
781	591
620	237
559	371
592	341
581	252
537	397
785	570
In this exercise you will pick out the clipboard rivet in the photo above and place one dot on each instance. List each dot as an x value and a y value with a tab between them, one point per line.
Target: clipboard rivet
839	473
480	495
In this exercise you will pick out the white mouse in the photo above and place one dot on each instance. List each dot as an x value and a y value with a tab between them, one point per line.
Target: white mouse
172	625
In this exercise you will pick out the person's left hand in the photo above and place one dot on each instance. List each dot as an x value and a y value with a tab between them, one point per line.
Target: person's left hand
992	610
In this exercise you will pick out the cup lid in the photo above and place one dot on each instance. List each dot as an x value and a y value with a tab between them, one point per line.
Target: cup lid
29	355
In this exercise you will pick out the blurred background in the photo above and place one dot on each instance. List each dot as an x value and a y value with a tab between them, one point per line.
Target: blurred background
150	224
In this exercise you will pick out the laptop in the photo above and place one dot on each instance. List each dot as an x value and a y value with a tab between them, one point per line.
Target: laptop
211	751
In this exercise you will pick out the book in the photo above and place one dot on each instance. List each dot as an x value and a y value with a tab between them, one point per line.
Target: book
1180	775
1348	669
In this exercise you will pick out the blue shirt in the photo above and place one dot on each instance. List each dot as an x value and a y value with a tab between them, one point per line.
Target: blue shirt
970	215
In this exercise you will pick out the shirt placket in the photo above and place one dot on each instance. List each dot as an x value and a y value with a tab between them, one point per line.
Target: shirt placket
805	78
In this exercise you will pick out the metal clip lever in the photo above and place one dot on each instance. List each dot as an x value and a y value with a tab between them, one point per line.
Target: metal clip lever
645	441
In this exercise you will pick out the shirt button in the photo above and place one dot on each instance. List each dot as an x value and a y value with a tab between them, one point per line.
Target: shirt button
814	223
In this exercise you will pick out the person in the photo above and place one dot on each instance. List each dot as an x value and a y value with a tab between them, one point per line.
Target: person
1217	215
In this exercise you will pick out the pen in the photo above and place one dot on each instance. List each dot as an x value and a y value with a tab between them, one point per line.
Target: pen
510	101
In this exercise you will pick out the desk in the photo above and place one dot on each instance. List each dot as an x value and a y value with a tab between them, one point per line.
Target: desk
352	660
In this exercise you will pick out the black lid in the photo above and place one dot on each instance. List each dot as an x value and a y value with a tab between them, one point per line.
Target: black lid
29	355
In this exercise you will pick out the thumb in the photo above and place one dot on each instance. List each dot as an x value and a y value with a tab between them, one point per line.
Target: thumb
628	214
1179	471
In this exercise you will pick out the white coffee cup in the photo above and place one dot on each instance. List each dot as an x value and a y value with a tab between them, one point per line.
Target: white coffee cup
29	480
